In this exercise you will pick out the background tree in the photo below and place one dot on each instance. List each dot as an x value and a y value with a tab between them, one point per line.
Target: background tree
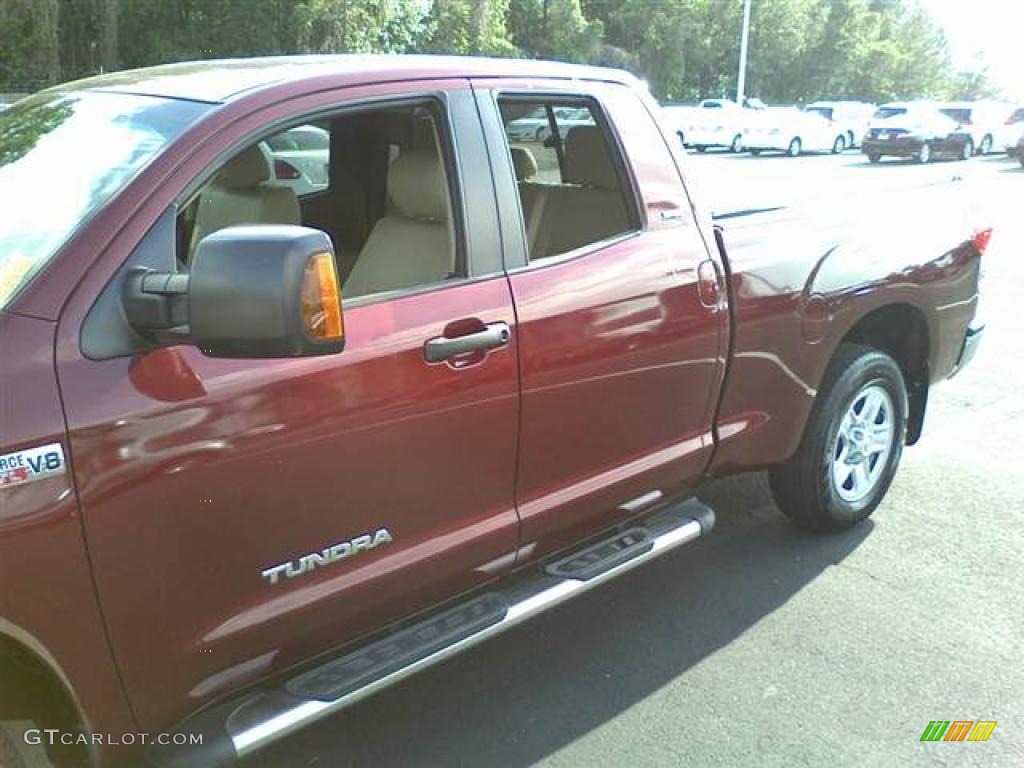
800	50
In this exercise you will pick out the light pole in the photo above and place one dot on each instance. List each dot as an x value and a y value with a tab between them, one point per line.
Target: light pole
741	81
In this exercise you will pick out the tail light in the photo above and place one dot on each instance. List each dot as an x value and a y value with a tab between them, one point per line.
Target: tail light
981	239
285	170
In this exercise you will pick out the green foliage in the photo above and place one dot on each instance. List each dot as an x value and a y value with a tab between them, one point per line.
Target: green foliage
554	29
478	27
21	129
800	50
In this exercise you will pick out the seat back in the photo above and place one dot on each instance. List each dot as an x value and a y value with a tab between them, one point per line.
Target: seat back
240	195
589	206
411	244
532	195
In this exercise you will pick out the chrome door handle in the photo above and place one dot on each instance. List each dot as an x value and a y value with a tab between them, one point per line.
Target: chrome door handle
493	336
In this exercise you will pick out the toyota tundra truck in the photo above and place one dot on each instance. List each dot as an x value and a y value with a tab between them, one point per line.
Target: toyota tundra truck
263	453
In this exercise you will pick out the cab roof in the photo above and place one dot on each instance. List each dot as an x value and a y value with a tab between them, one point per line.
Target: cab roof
221	80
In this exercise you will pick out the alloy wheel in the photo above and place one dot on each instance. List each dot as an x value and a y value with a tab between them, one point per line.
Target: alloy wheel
862	444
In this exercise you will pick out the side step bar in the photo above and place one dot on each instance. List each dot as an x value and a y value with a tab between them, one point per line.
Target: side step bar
238	728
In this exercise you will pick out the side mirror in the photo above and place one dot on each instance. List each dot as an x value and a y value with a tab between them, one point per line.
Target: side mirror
259	291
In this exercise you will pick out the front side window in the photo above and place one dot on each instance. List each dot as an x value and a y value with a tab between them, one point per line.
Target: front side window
300	158
63	156
568	173
384	200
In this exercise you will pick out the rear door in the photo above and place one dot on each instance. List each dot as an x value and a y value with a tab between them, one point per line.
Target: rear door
621	329
243	515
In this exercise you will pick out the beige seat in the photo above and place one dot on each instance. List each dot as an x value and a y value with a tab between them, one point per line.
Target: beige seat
239	195
532	195
590	205
411	244
524	163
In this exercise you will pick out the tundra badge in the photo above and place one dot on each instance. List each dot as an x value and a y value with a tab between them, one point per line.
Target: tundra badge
331	554
31	464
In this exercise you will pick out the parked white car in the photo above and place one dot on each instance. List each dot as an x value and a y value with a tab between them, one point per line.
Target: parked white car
982	121
1011	131
789	130
535	126
299	158
718	123
851	117
680	118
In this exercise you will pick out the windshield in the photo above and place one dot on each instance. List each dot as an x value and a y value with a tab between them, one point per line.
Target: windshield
825	112
62	156
886	112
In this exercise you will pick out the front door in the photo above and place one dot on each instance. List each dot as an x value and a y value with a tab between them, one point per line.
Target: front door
243	515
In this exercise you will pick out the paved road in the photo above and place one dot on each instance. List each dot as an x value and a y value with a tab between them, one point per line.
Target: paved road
761	645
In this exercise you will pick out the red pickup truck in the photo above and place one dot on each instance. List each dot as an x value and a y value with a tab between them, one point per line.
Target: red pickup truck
264	452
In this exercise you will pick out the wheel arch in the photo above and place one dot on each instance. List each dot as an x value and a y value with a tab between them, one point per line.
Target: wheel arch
36	688
901	331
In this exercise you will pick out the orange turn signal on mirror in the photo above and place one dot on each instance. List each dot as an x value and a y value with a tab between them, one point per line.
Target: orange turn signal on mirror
321	299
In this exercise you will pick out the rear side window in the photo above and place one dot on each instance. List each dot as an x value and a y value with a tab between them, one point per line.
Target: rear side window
569	173
962	116
887	112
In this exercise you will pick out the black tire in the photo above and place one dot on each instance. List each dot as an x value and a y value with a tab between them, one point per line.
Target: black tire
795	145
682	139
839	145
804	487
924	155
967	151
986	145
755	152
874	158
700	148
737	144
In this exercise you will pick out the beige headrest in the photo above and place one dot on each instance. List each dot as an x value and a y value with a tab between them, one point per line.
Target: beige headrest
587	159
416	185
524	163
245	170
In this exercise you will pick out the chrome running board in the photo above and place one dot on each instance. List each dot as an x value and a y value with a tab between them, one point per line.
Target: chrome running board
238	728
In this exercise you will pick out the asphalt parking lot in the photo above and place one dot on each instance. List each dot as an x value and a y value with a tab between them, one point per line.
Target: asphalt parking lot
762	645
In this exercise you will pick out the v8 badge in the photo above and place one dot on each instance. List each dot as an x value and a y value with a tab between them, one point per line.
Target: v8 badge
31	464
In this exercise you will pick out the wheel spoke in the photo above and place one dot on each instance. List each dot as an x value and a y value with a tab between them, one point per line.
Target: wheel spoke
873	405
842	476
861	478
879	438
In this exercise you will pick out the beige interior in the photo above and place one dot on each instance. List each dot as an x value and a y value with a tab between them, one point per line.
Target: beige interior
588	207
239	195
411	245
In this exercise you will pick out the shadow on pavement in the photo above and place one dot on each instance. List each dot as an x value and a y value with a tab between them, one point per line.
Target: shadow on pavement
520	697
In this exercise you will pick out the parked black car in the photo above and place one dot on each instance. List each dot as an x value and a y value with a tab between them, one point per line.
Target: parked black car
914	130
